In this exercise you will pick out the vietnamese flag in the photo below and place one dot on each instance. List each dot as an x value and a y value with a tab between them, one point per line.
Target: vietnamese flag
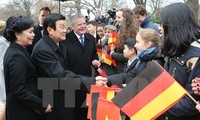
113	39
92	99
107	110
150	94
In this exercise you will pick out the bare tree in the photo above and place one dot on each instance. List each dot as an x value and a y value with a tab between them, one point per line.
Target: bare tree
5	13
24	7
140	2
92	5
194	5
155	6
52	4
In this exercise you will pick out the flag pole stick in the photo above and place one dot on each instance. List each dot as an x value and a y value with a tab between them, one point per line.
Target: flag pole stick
192	98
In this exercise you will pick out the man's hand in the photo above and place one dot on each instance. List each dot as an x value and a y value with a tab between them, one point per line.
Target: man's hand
96	63
48	109
101	81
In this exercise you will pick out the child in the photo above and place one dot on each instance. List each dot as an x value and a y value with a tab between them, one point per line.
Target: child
91	28
100	32
130	53
147	46
108	69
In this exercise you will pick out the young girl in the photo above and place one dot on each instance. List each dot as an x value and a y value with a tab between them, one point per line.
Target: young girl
128	25
180	45
100	32
147	46
108	69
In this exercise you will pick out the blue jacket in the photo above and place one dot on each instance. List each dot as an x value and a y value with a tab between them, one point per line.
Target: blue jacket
184	73
148	24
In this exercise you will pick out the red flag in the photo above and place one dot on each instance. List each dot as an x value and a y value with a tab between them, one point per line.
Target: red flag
101	72
107	110
113	39
95	92
152	95
99	49
107	58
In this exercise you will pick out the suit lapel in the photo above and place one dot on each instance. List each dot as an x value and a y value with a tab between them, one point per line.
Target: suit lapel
131	66
75	40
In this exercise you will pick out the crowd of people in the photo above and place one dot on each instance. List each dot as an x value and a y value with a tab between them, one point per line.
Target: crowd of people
49	55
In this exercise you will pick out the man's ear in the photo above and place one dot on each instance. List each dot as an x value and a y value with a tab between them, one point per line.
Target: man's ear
49	30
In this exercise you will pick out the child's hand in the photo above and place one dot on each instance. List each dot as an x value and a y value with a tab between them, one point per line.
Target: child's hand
196	86
112	47
101	60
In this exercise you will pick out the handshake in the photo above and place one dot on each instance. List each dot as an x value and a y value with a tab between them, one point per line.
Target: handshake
101	81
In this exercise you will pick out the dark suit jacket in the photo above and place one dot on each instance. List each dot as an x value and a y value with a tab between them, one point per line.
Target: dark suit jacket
38	36
120	59
51	63
124	78
20	73
80	57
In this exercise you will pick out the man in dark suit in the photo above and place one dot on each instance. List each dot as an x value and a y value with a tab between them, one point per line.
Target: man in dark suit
44	11
51	63
81	55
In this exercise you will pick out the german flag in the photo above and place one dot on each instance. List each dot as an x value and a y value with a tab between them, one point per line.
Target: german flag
99	49
107	58
150	94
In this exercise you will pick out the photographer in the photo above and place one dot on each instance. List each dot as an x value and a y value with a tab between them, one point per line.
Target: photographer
112	16
99	18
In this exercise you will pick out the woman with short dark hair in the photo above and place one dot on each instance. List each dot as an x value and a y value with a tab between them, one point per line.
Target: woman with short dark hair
22	101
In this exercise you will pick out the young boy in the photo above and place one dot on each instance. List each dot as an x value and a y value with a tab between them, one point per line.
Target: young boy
129	52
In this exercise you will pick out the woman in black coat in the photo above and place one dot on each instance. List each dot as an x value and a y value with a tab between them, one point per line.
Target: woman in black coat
22	102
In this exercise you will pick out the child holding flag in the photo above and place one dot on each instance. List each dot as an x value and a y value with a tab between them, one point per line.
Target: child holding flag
128	28
147	46
106	62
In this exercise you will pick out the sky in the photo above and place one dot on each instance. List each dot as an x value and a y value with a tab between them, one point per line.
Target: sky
129	4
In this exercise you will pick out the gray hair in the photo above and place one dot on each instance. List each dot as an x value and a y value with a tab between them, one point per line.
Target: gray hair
76	16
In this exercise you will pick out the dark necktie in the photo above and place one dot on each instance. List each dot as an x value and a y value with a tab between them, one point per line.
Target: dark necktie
82	40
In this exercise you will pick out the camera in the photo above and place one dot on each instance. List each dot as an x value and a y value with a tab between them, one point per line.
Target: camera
112	13
100	19
87	18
